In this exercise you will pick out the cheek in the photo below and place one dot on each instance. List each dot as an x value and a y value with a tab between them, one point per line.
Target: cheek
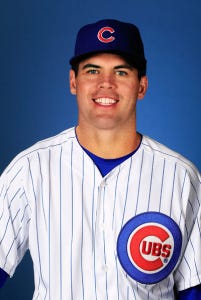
85	88
131	90
83	95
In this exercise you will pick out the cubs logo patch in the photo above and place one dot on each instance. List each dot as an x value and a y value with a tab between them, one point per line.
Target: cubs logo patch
149	246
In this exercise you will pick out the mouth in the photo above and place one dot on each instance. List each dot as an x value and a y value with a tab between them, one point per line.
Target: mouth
105	101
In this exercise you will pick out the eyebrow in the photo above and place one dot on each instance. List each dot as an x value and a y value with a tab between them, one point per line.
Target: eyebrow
126	66
90	66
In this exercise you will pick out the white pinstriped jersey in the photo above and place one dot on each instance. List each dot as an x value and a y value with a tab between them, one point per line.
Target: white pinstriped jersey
54	201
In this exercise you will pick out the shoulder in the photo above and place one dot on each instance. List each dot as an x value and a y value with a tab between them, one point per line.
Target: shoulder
51	142
171	157
40	148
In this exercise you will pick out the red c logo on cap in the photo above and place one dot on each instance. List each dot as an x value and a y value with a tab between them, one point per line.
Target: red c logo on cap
105	40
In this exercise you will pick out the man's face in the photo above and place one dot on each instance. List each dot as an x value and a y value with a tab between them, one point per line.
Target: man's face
107	89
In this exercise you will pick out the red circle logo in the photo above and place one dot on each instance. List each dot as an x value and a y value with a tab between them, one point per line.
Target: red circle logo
103	39
150	247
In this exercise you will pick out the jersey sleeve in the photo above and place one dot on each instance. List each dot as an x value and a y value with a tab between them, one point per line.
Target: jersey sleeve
14	218
193	293
188	273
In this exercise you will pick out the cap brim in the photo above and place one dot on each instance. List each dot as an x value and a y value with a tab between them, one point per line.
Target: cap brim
139	64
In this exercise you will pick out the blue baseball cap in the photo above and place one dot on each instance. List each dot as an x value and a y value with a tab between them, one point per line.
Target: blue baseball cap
110	36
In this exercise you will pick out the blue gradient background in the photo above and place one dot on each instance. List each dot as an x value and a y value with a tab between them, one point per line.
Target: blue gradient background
36	41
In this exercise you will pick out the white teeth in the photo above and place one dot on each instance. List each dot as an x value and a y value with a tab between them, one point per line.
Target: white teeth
105	101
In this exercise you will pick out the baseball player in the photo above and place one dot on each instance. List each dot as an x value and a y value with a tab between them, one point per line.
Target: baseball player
106	212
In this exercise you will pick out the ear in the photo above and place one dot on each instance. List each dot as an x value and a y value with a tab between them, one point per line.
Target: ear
72	81
143	87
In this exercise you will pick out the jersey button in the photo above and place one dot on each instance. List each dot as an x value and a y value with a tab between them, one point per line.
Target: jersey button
103	183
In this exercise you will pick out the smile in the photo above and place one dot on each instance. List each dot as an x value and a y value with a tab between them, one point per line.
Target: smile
105	101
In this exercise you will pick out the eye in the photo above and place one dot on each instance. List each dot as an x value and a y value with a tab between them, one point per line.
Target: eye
92	71
121	73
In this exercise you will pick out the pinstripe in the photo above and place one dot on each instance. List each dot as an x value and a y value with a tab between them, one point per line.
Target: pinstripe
2	208
187	231
1	192
126	196
41	176
197	198
127	293
173	184
94	264
12	246
115	197
58	169
134	293
187	227
181	275
196	267
36	222
13	220
93	234
104	242
117	277
24	214
83	175
191	206
22	242
198	225
14	177
105	259
96	213
161	291
182	191
42	200
7	223
38	247
92	213
72	213
161	192
150	186
168	285
95	276
187	263
49	217
114	207
6	192
60	192
138	191
13	198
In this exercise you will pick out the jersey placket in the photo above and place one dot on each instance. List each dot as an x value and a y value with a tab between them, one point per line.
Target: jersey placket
103	248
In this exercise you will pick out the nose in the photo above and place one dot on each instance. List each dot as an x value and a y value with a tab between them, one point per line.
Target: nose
107	81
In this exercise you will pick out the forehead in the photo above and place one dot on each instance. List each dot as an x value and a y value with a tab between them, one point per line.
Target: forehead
101	59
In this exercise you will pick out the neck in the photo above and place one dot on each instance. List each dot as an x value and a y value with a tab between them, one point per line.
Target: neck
108	143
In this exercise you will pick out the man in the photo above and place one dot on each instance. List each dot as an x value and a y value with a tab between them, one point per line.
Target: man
106	212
